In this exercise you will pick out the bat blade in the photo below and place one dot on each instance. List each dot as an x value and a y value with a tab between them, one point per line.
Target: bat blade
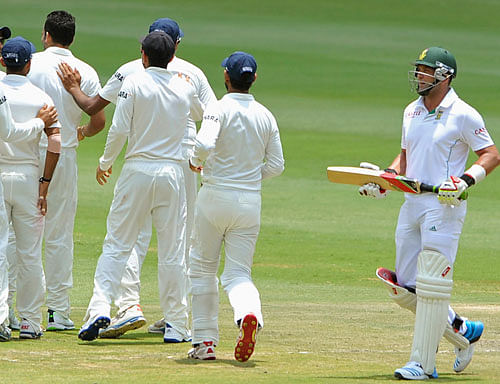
358	176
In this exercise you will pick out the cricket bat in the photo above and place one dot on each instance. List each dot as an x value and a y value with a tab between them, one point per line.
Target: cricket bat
361	176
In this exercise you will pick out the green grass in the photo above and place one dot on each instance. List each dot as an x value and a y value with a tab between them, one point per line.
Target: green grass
334	73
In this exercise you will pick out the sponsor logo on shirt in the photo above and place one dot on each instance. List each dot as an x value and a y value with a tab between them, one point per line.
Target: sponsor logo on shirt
123	94
3	99
479	131
184	76
215	119
433	228
119	76
414	114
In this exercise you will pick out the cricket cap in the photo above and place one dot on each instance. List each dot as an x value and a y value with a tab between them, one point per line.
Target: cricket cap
169	26
17	51
437	57
238	64
158	46
4	33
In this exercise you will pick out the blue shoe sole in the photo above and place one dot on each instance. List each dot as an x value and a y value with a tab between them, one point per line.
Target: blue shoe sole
91	333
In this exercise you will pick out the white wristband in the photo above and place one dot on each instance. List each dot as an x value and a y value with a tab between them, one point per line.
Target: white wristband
477	172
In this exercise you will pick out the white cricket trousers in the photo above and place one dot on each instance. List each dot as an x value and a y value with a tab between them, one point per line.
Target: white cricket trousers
131	284
145	190
424	223
4	283
58	234
232	217
20	185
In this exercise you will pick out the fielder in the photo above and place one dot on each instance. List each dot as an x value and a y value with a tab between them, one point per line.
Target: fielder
25	194
239	145
11	131
57	36
152	111
129	315
439	129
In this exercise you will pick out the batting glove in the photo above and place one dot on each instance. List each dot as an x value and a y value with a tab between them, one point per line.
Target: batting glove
452	191
373	190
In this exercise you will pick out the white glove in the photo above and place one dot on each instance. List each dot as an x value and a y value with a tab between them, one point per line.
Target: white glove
452	191
372	189
367	165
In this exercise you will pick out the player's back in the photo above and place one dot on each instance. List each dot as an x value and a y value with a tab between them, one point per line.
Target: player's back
25	100
246	127
161	106
43	74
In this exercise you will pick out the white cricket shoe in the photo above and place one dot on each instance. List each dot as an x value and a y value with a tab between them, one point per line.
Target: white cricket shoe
58	322
14	322
171	335
158	327
246	341
5	333
464	356
413	371
124	321
203	351
90	330
30	330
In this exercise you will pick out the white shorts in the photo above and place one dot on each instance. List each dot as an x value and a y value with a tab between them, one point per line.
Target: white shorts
424	223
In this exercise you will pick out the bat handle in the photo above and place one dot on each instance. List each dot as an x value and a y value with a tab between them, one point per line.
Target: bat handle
435	189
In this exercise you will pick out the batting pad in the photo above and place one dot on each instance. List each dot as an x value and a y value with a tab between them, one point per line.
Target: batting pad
408	300
434	285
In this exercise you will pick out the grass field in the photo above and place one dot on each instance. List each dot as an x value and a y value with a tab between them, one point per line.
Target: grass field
334	73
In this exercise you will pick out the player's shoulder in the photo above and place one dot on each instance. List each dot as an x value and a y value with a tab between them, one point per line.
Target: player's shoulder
130	68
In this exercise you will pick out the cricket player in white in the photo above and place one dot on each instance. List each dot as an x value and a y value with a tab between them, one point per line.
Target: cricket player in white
152	111
57	35
237	147
439	129
10	131
129	315
25	195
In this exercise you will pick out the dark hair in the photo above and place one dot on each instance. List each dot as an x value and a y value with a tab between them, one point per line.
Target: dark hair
61	26
159	48
244	83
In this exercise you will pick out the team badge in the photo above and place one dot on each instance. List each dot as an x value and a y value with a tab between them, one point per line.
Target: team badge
423	54
439	114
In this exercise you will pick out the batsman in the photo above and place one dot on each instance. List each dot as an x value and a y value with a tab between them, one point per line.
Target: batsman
438	131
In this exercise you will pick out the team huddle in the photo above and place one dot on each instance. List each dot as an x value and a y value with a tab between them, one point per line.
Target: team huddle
158	98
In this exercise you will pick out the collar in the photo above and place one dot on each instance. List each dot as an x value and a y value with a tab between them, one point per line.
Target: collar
239	96
156	69
447	101
59	51
15	80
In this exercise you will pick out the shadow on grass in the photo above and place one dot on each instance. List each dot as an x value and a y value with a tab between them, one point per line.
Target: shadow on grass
443	378
234	363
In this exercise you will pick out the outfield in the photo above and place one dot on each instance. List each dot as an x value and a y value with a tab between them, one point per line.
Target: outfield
334	73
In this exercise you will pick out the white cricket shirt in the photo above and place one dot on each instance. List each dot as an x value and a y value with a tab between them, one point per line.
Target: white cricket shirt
12	131
152	111
437	144
25	100
43	74
239	142
178	66
2	75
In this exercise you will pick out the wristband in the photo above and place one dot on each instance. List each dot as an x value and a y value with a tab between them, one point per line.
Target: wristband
44	180
476	172
390	170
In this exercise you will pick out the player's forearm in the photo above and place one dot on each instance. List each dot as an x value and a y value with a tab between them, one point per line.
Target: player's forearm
489	158
89	105
51	160
95	125
399	163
